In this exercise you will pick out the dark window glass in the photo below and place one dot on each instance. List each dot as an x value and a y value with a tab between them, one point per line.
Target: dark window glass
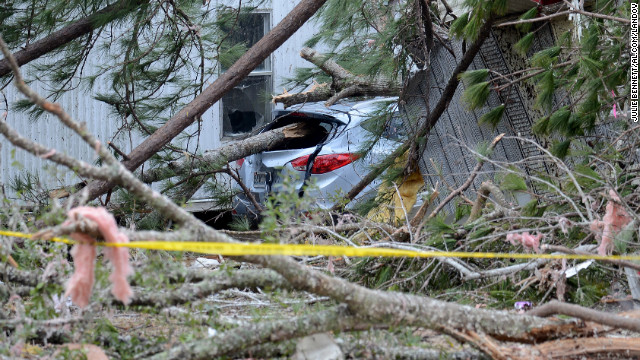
247	30
247	106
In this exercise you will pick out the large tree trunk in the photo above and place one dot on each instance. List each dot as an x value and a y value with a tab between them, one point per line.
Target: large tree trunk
221	156
70	33
238	71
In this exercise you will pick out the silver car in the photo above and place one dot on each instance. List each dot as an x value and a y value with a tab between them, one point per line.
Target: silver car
328	157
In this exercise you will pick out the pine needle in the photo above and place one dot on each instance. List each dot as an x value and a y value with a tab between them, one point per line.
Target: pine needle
559	120
561	149
493	117
591	66
476	95
530	14
524	44
473	77
458	25
499	7
541	127
545	57
546	88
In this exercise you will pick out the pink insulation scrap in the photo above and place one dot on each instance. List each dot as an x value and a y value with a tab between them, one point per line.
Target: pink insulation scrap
525	239
615	218
84	254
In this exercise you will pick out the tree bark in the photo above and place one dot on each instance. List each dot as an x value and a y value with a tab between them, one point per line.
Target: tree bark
190	292
345	84
616	321
231	152
70	33
333	319
214	92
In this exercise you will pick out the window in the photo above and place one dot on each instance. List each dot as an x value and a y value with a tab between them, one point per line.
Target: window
248	106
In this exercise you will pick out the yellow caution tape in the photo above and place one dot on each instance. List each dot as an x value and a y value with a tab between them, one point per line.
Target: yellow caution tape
241	249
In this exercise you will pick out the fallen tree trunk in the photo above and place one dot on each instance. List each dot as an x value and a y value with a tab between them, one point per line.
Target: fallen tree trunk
69	33
344	84
234	151
214	92
333	319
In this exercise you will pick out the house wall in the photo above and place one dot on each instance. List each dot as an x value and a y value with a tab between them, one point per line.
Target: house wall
106	126
448	153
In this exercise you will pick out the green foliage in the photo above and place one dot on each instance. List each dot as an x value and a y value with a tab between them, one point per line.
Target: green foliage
29	187
529	14
524	44
345	28
623	240
561	148
286	208
462	210
483	149
476	95
457	26
493	117
546	88
499	7
541	127
240	224
473	77
438	225
545	58
586	177
586	70
533	209
592	66
559	120
513	182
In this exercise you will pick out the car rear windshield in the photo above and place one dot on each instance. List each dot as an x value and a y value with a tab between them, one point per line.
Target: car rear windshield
320	127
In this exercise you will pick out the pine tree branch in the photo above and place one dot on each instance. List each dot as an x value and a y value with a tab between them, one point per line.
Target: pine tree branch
616	321
317	92
365	304
71	32
334	319
344	84
486	188
251	279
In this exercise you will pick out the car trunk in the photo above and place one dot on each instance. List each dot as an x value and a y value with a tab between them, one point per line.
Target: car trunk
268	166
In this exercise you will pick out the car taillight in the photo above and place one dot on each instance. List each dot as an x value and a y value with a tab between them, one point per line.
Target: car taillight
240	162
324	163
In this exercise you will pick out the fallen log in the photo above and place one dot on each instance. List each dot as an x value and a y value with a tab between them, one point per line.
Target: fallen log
585	348
616	321
233	151
344	84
